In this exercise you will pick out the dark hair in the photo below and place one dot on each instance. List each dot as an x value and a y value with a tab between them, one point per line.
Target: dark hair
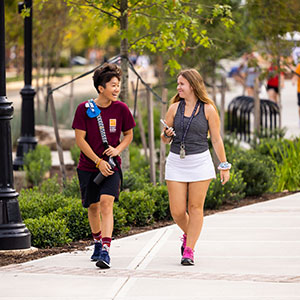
105	73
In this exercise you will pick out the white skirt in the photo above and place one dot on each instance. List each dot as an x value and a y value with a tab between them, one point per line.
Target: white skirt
195	167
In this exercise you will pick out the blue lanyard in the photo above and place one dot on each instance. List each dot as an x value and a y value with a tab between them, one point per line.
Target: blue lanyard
184	132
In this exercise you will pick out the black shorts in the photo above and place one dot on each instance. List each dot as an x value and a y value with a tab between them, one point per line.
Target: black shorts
275	88
298	99
91	192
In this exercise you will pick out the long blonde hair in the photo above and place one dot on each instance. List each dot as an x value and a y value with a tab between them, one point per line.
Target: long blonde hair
196	82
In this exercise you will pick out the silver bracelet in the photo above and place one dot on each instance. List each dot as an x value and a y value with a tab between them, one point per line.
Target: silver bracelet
224	166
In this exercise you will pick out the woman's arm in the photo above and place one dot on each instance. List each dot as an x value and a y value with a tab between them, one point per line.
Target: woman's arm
167	134
216	139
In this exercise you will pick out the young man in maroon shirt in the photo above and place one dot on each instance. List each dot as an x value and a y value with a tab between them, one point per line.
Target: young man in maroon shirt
117	118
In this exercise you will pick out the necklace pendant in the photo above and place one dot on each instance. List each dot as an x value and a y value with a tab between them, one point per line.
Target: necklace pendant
182	151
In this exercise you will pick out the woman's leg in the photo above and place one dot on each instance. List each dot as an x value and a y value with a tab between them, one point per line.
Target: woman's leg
177	199
197	194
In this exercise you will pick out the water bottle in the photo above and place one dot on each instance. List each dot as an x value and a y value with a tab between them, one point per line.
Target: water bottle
99	178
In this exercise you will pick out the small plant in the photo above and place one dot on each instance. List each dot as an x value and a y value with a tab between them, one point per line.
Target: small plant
34	203
72	188
48	231
232	191
36	163
258	172
159	194
76	219
134	181
75	153
288	171
137	161
268	145
50	186
139	206
120	220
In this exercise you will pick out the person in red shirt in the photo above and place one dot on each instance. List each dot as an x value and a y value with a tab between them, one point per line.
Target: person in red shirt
273	82
94	155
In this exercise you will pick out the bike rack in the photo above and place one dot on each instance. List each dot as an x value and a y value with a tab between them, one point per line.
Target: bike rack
239	113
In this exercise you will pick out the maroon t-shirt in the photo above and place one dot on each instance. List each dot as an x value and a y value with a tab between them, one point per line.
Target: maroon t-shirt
116	118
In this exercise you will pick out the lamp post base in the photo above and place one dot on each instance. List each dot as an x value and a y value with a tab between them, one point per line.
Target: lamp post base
14	236
13	233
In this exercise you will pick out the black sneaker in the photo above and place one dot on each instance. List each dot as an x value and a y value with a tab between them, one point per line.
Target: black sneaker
104	259
97	250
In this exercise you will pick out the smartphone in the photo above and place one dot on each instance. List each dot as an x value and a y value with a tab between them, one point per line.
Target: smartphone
164	123
166	126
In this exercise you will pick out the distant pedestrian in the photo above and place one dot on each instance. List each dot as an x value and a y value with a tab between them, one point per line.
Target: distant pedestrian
189	167
251	72
273	83
236	73
296	78
98	124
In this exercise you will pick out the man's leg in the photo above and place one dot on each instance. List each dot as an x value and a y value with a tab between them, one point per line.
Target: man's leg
107	223
95	224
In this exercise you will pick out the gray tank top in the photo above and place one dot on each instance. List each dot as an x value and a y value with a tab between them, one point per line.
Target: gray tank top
196	138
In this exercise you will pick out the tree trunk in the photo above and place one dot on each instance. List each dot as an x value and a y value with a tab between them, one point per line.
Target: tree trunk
279	90
222	107
256	111
124	66
151	142
162	152
124	51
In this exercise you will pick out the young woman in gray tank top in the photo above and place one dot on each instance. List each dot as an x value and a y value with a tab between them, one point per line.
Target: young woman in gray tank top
189	167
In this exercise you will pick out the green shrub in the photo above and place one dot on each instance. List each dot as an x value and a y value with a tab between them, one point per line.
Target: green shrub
47	231
139	207
159	194
232	147
288	171
267	146
134	181
137	161
50	186
258	172
75	153
34	204
231	191
72	188
120	220
76	219
36	163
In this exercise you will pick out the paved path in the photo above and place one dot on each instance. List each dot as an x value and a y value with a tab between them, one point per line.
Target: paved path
247	253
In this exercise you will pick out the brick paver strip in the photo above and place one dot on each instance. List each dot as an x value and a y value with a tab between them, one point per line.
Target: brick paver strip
149	274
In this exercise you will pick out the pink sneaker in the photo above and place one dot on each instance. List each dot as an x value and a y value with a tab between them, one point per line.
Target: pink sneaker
187	257
183	239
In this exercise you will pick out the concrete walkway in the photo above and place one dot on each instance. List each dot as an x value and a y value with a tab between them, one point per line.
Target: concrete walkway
247	253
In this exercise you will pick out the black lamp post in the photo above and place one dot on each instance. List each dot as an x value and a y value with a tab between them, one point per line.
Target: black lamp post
13	233
27	140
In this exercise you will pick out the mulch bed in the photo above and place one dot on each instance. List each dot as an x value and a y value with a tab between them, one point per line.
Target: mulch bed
13	258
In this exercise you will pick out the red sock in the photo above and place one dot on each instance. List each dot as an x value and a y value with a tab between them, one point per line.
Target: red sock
106	242
97	237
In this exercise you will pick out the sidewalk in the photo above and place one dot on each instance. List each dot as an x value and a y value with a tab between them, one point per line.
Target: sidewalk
247	253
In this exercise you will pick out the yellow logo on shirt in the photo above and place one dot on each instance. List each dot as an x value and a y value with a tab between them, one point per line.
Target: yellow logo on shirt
112	125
